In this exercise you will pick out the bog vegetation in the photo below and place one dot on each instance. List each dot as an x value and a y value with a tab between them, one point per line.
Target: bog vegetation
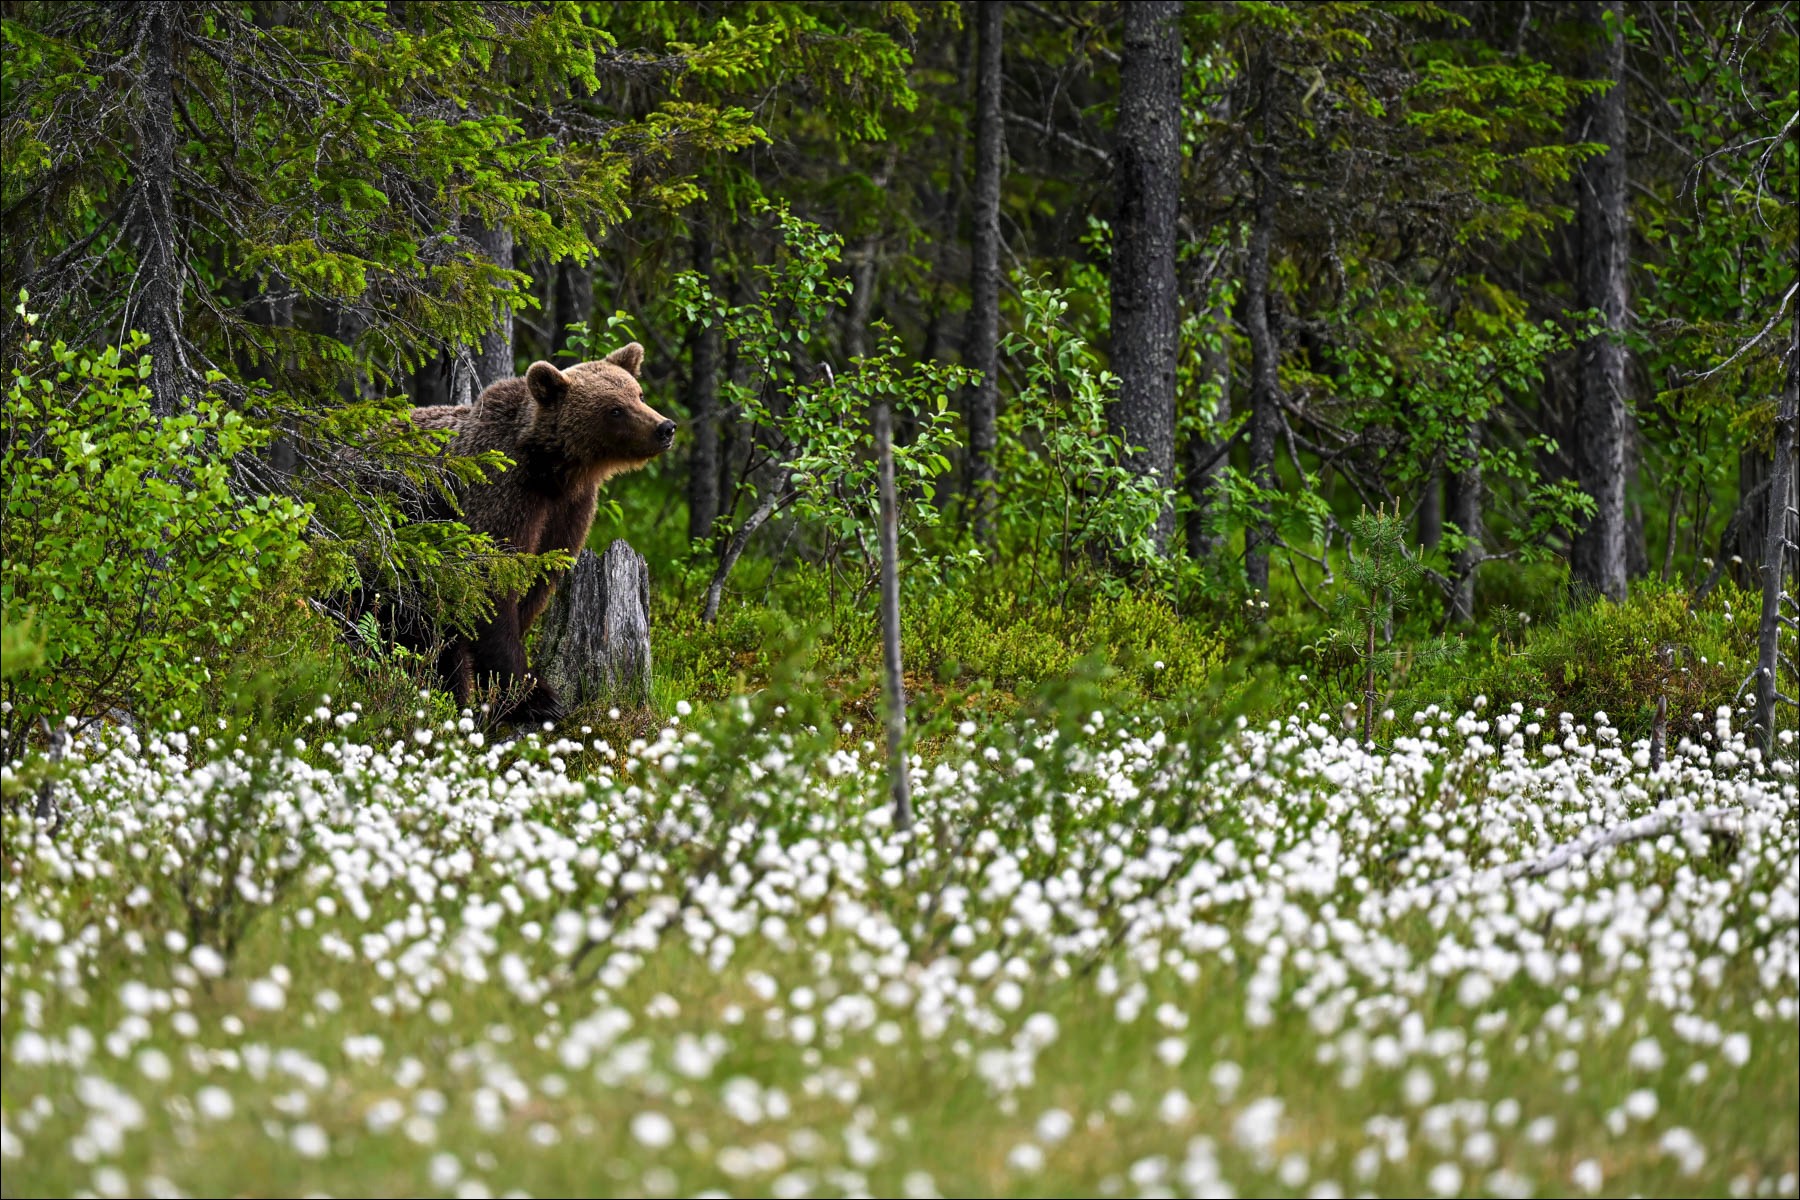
1348	544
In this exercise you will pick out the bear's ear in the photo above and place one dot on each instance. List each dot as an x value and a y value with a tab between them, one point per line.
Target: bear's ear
630	356
548	385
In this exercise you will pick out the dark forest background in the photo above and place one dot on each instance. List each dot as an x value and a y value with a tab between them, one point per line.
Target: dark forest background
1420	349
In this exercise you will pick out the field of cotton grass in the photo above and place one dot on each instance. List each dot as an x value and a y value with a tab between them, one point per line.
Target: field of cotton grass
1110	959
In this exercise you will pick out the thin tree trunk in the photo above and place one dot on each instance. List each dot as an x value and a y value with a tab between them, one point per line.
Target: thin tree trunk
1744	552
1465	513
895	678
571	303
1598	557
1668	563
1431	511
272	306
773	501
703	403
1264	386
1637	538
729	427
982	346
494	357
1781	539
906	425
1368	721
1147	178
1204	461
158	307
862	297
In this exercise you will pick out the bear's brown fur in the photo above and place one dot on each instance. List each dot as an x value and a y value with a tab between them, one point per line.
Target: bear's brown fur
566	432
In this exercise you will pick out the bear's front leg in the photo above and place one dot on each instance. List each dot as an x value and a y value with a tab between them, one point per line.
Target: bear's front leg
540	704
499	653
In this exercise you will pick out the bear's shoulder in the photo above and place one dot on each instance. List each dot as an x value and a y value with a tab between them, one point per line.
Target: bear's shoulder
498	420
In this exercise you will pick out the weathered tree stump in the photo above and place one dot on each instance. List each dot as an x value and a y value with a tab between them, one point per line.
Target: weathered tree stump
594	645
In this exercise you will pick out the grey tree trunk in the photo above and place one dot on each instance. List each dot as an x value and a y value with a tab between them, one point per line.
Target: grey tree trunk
1781	546
1431	511
981	350
703	404
571	301
1755	465
1265	386
774	499
1147	167
158	307
1598	556
863	274
272	305
594	639
1203	459
494	357
731	453
894	677
1465	513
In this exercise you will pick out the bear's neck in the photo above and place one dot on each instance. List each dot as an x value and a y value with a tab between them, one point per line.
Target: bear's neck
545	469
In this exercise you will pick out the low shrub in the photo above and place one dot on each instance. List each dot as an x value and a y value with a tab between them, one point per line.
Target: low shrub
131	568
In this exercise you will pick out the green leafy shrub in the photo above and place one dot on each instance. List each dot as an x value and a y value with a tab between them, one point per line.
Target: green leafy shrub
127	556
1610	658
810	422
1062	493
1014	643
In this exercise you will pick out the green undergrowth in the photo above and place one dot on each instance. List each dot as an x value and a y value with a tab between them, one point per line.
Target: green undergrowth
991	639
982	645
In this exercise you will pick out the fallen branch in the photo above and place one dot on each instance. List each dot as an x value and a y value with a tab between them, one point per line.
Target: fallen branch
773	501
1651	825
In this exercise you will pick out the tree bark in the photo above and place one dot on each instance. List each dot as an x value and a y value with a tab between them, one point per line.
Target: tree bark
982	346
271	304
1755	466
594	640
1465	513
158	308
1203	459
1431	511
1598	556
773	501
1147	173
1781	544
1264	386
862	297
571	301
730	452
494	357
703	403
894	676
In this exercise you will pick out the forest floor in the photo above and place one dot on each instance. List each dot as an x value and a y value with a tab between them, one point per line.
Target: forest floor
1111	958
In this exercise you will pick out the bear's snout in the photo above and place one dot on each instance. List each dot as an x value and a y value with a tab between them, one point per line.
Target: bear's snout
665	433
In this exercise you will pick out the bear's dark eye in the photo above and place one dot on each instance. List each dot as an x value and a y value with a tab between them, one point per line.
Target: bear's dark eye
617	410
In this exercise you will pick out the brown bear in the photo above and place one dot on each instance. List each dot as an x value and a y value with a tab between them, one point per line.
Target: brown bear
566	432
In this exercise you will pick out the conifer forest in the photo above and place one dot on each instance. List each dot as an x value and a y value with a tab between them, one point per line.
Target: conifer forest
900	597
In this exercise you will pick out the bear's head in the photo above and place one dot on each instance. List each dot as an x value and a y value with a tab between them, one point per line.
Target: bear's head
594	415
